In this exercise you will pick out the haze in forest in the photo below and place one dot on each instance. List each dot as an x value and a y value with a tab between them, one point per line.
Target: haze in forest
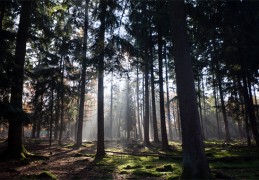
144	72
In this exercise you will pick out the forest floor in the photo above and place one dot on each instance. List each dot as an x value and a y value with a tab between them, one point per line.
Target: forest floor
125	161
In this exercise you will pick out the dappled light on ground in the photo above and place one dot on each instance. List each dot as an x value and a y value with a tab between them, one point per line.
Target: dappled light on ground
125	160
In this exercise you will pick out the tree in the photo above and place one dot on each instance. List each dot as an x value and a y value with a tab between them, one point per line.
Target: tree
146	101
195	165
152	82
161	92
83	79
100	109
15	124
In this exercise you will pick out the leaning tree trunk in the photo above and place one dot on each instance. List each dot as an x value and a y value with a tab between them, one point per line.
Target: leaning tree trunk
15	124
83	77
100	109
195	165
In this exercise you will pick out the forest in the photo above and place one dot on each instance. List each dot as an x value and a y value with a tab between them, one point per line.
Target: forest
126	89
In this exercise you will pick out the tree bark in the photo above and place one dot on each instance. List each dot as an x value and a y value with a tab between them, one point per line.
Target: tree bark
111	108
57	114
204	107
83	78
62	101
2	11
223	107
195	165
138	112
51	112
215	94
161	93
128	112
168	101
250	108
155	130
100	108
15	124
146	105
221	96
245	112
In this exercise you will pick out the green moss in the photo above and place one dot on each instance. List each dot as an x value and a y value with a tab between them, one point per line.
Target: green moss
141	166
46	175
89	155
233	160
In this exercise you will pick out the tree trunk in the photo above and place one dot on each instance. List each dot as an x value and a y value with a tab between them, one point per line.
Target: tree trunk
57	112
195	165
39	116
83	78
143	104
139	126
221	96
161	93
62	101
51	112
2	11
111	108
250	108
37	111
248	138
179	120
168	100
216	105
153	95
146	105
15	124
204	107
223	107
128	119
244	112
256	104
100	109
200	108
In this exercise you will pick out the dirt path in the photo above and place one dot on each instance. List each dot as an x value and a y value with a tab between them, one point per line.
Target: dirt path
64	162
